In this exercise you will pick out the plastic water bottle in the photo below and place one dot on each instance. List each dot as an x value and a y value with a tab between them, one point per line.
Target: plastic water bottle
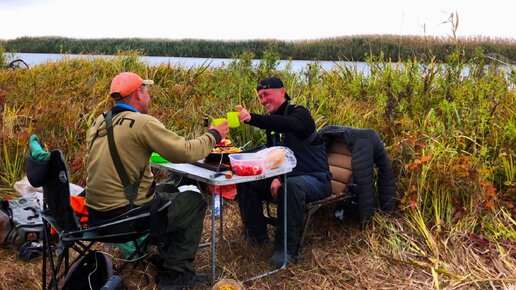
216	206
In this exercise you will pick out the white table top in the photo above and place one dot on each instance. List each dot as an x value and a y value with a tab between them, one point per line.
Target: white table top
205	175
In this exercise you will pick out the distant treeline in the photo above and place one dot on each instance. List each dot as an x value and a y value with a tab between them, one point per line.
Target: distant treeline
352	48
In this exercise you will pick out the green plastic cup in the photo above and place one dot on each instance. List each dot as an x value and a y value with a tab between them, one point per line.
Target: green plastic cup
233	119
218	121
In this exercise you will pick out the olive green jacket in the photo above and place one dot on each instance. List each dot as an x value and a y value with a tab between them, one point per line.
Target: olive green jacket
136	137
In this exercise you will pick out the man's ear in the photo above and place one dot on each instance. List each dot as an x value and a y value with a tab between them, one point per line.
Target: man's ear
139	92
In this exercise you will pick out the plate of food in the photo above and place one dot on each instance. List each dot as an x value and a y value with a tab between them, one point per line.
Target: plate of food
221	152
224	143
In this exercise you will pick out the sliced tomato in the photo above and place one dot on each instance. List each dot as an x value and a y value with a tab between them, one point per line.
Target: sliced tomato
244	169
224	142
256	170
238	169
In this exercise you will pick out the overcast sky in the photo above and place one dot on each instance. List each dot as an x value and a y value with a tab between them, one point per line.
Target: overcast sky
244	19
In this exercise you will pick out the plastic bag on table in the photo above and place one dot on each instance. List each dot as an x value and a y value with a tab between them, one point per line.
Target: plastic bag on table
277	156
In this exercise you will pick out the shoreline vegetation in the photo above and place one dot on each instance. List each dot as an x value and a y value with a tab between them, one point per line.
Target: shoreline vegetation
346	48
451	139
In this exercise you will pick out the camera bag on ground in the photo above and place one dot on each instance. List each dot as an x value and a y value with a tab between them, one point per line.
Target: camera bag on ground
20	221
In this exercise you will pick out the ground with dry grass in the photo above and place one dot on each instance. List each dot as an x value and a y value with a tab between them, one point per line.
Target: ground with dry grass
337	255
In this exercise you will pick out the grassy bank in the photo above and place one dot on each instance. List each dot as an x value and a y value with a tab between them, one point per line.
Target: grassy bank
452	139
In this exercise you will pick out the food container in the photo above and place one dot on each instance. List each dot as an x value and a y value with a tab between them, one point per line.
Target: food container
228	284
156	158
247	164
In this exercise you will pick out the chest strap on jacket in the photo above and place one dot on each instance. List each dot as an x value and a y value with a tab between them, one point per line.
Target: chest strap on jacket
130	189
275	139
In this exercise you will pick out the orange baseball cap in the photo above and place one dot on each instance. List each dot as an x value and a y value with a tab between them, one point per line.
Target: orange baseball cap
126	83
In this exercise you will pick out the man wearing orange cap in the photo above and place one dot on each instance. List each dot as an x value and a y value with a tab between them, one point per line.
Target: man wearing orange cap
120	143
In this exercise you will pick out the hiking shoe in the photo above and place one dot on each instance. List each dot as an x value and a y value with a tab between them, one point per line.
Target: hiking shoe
178	281
157	262
278	258
30	250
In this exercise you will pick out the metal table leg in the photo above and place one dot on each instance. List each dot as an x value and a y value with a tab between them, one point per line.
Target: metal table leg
285	224
213	241
284	266
214	230
221	200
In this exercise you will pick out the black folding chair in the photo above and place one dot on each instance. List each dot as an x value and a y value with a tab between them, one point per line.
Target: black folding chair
339	160
71	235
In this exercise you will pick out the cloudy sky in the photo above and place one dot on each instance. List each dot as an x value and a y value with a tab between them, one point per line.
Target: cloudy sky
244	19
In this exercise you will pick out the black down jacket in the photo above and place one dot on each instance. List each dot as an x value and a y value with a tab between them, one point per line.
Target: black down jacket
367	150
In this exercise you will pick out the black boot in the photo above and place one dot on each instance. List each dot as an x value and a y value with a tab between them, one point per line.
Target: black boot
293	240
173	280
278	258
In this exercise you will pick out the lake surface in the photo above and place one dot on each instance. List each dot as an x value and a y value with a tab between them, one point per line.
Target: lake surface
33	59
296	66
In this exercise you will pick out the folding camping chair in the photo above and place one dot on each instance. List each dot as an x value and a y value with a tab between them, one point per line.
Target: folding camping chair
353	156
71	236
339	160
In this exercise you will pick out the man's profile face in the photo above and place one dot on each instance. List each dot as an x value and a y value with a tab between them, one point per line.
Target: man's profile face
144	99
271	99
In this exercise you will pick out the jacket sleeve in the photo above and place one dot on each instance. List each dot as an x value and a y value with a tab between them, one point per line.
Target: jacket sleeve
299	121
386	184
363	172
174	147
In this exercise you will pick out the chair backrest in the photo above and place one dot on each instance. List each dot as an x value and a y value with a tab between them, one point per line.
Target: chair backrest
53	176
339	159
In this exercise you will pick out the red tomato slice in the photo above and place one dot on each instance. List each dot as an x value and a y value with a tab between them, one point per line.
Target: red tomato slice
244	169
238	169
256	170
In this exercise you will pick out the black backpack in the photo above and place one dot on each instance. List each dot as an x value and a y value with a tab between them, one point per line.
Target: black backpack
91	271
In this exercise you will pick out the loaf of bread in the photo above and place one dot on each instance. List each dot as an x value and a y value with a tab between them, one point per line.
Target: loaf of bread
275	158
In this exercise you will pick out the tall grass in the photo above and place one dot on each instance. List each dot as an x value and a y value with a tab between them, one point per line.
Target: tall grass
451	137
2	56
352	48
12	151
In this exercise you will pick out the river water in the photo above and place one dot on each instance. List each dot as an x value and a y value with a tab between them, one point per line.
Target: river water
296	66
33	59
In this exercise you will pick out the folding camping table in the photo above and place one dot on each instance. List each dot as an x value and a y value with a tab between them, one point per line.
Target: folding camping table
207	176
